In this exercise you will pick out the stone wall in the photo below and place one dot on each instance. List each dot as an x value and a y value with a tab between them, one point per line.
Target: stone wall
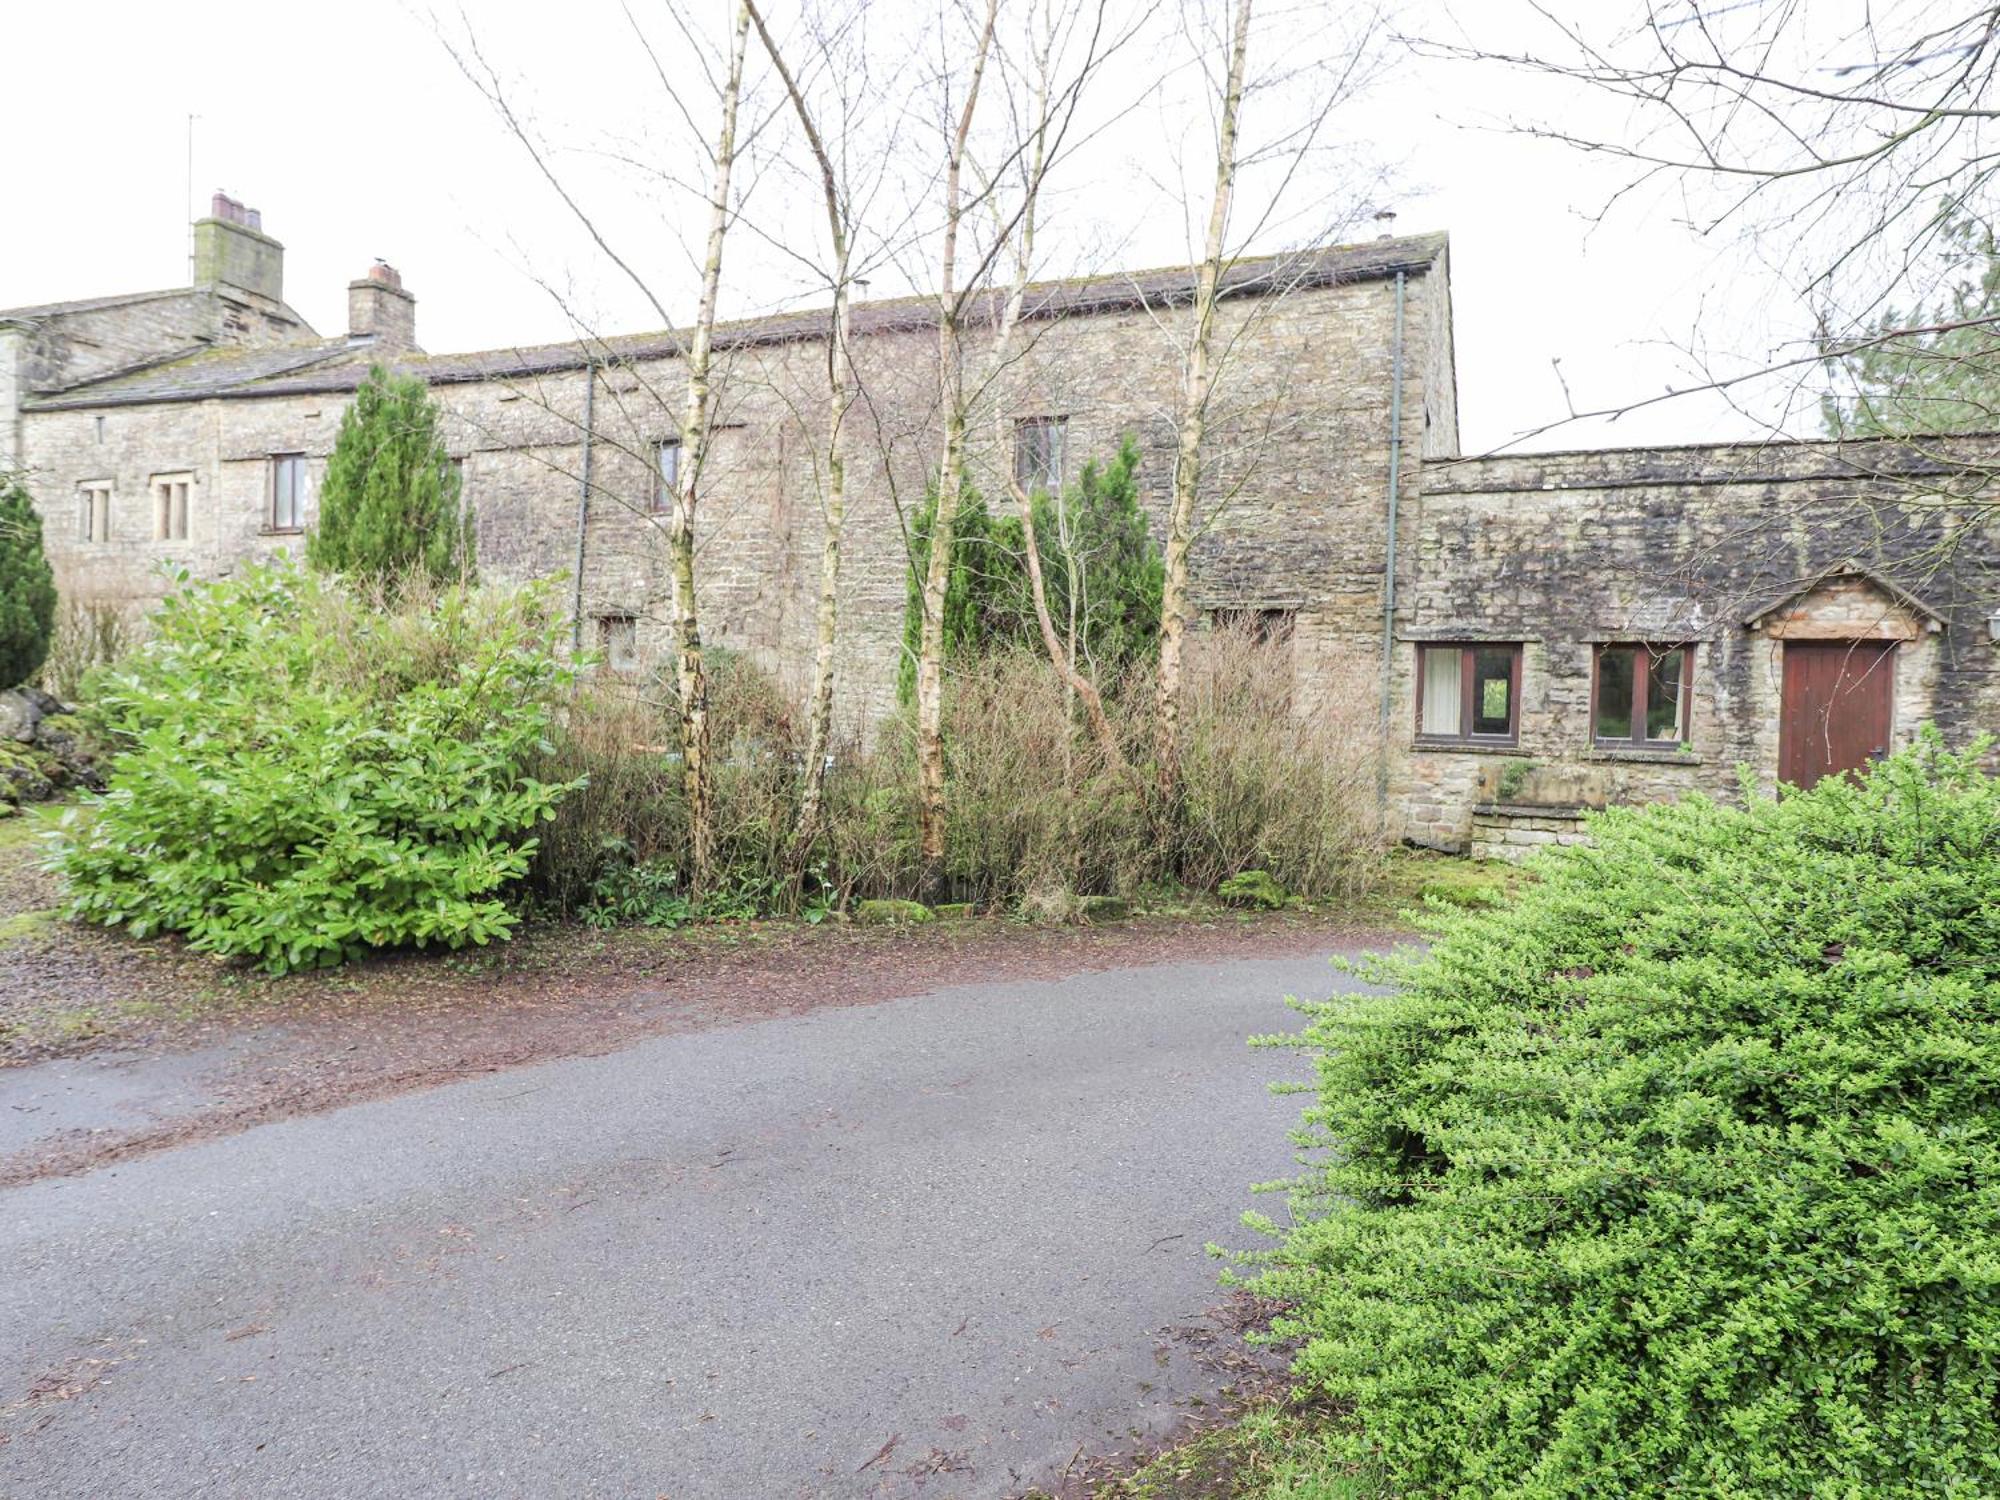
1296	471
1730	549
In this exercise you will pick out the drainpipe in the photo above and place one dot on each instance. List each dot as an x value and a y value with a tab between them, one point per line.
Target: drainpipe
583	502
1389	554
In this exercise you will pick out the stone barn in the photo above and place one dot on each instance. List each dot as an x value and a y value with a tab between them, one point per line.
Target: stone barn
1523	636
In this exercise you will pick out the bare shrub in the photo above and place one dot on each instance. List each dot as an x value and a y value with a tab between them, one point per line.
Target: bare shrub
1269	783
90	633
1039	814
1034	804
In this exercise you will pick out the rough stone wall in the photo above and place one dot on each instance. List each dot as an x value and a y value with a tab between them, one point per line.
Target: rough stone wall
1563	552
1297	477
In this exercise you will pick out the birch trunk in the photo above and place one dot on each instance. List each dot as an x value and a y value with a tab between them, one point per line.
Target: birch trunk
689	671
839	398
931	802
1193	421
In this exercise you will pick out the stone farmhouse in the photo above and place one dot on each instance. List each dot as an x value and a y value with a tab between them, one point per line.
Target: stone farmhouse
1519	637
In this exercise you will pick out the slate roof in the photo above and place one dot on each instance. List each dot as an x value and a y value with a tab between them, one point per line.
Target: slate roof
84	304
337	365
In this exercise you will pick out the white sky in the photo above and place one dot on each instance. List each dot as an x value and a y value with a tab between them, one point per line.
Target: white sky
348	125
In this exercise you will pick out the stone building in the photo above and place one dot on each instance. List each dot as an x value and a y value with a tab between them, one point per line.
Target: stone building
1487	620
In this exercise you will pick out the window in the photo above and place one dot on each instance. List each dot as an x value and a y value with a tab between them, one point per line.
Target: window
170	506
288	492
618	642
1038	453
668	457
1639	695
1469	692
93	511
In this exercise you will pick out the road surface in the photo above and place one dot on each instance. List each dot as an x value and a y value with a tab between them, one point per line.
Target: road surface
933	1246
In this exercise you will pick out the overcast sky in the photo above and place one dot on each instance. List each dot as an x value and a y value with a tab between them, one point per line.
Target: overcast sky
348	125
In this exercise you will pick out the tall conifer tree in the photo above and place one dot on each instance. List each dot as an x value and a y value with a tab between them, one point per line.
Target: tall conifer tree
389	506
27	587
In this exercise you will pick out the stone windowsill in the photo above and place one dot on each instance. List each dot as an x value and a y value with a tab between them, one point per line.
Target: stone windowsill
1645	757
281	531
1465	747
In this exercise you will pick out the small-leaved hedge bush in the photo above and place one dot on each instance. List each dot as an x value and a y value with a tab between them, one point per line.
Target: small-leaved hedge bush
307	772
1680	1174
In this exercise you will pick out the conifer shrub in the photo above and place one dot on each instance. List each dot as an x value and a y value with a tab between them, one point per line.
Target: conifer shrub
27	587
1680	1174
389	507
307	770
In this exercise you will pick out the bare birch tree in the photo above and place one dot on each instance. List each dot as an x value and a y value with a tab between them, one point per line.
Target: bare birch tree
1338	64
950	484
1196	387
689	669
1058	77
695	420
839	209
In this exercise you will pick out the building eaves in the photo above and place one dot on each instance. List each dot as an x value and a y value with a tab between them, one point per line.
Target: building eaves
1955	456
43	311
324	371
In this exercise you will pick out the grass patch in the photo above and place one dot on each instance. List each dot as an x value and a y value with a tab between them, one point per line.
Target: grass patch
27	924
1274	1450
1412	878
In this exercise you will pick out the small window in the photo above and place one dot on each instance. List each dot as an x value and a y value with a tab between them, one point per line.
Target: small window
93	511
618	642
1469	692
288	492
667	462
1038	453
170	506
1640	695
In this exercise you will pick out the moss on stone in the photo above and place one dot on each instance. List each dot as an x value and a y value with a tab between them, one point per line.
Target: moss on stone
892	913
1253	888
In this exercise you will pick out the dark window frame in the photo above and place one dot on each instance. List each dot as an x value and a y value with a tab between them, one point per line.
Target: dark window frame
1641	681
1466	716
1037	464
298	521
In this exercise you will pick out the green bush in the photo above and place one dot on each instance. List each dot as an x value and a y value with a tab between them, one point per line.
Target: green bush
307	773
1680	1174
27	588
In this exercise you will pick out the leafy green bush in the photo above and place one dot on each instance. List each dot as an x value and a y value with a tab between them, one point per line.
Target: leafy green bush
1679	1175
307	773
27	587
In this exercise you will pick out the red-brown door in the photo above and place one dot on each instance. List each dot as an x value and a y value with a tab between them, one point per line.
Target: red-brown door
1835	715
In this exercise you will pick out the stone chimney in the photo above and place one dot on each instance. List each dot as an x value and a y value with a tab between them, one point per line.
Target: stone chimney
380	310
231	249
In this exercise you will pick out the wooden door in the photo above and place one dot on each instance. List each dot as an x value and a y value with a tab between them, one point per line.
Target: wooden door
1835	713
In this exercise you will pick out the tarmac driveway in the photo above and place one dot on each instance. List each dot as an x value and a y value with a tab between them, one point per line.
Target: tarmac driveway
933	1246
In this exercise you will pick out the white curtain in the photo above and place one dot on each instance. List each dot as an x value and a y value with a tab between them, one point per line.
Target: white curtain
1443	689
